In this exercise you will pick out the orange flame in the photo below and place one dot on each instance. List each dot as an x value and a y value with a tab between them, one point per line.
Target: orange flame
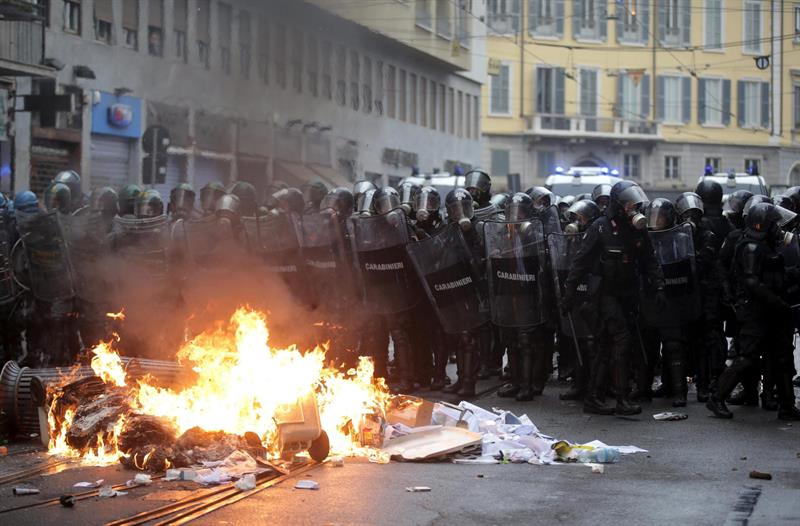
116	315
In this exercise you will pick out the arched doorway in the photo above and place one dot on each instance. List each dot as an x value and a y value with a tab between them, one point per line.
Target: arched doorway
794	175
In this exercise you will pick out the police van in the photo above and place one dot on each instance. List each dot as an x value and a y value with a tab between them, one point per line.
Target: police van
733	181
580	180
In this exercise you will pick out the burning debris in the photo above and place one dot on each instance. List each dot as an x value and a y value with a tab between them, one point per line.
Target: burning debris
246	396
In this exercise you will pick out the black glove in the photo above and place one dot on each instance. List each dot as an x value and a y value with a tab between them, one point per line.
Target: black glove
660	300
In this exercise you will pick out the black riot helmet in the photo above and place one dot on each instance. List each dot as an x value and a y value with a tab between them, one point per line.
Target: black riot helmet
519	207
58	197
289	200
427	204
127	199
313	193
710	192
460	207
72	179
365	202
583	197
149	204
386	199
181	200
408	191
228	208
794	194
248	200
754	200
765	220
564	203
339	201
269	200
104	201
735	207
628	201
479	185
660	214
785	201
580	215
541	198
359	189
690	207
600	195
499	200
209	195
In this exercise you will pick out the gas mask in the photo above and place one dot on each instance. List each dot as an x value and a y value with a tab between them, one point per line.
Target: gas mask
638	219
423	216
572	228
465	224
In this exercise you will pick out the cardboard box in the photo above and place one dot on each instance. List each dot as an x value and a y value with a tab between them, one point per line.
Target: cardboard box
410	411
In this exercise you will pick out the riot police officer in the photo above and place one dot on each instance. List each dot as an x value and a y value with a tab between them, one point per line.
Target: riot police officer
619	245
58	197
72	179
127	200
601	195
209	195
313	194
766	325
181	202
479	185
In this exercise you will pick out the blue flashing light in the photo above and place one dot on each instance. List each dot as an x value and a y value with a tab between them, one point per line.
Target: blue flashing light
615	172
709	170
605	169
560	169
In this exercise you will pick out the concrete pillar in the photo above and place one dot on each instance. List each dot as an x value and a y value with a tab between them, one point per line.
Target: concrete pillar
22	141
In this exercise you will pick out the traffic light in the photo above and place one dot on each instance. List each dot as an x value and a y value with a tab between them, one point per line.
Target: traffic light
155	142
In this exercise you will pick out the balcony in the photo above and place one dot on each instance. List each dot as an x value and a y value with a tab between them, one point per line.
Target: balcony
577	126
21	39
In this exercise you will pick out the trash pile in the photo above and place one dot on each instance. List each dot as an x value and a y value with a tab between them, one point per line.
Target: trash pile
419	430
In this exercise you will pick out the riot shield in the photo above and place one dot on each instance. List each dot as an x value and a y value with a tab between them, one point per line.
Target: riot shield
515	255
203	241
143	242
88	247
451	280
322	249
8	288
562	249
486	213
674	250
49	269
388	281
276	238
551	220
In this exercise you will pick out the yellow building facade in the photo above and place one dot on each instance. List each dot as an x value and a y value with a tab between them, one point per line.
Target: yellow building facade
657	89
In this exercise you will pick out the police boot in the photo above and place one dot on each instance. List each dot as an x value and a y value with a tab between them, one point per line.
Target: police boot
510	389
788	410
702	378
580	378
725	384
748	396
678	377
471	366
593	402
541	371
768	400
404	360
526	361
624	406
439	367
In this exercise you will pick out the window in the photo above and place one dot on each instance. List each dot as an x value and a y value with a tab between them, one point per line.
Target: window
280	56
130	24
546	18
341	72
633	21
715	163
442	107
402	96
468	116
155	25
633	97
752	26
714	102
713	24
796	93
424	18
588	96
204	32
355	80
549	90
327	70
674	22
674	99
435	105
103	21
451	109
412	117
460	114
500	88
245	44
545	163
476	115
225	17
462	20
501	162
298	49
444	18
423	102
589	19
752	166
672	167
313	66
797	24
72	17
379	87
264	47
753	99
503	16
632	165
391	92
367	85
180	22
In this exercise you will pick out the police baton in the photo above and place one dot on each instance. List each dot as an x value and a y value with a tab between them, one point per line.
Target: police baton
575	339
641	344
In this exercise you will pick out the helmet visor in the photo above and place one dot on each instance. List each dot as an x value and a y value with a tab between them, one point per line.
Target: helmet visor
460	208
786	216
632	198
430	201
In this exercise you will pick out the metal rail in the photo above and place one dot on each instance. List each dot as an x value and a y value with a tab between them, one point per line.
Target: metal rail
31	472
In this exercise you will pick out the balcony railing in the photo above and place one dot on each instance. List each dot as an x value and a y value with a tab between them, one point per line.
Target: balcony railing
600	127
21	41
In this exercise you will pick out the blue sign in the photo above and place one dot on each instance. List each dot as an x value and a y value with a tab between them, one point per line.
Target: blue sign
117	115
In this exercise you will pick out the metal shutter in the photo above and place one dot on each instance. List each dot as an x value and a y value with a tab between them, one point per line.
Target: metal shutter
208	170
110	161
175	170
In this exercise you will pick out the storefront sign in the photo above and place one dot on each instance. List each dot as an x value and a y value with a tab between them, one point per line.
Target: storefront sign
117	115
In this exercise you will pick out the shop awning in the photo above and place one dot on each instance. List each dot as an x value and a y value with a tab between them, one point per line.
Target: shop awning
293	174
333	178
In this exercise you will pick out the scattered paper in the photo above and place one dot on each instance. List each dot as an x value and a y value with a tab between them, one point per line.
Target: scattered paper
418	489
669	415
336	462
25	490
598	468
95	484
108	492
246	483
307	484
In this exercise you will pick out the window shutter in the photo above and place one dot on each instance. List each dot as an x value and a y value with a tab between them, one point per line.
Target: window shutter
203	21
726	102
765	104
577	17
660	97
701	101
224	17
130	15
662	20
686	22
740	102
179	20
644	19
537	81
686	94
559	74
619	22
644	85
559	17
620	95
534	14
155	13
516	11
104	11
601	20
